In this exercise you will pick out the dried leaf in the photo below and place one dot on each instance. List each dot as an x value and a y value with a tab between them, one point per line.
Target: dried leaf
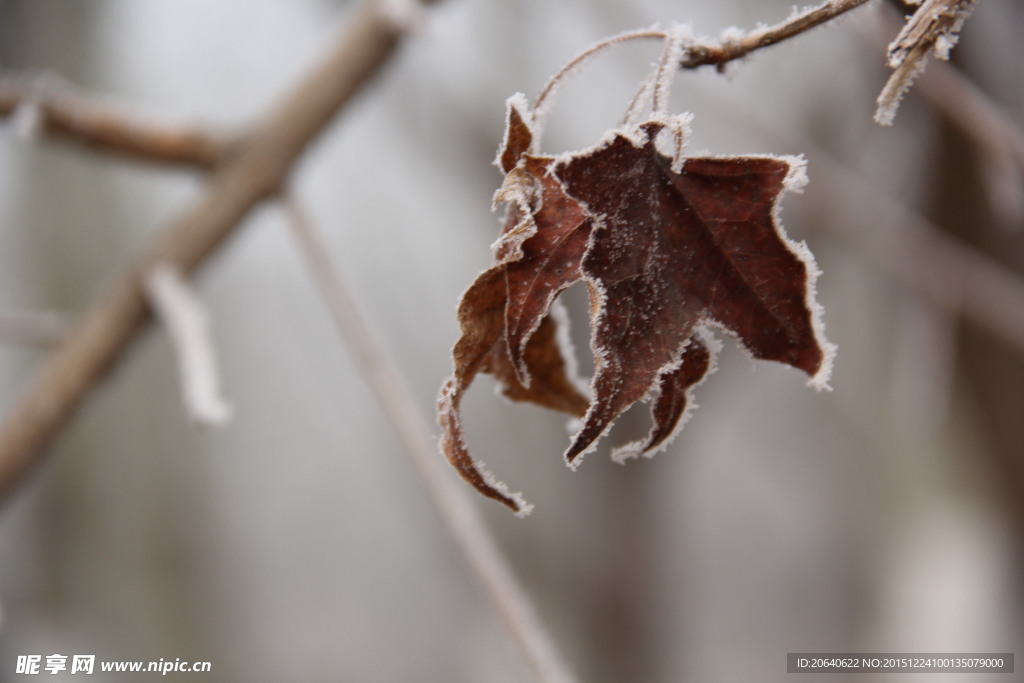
677	250
550	260
668	246
537	229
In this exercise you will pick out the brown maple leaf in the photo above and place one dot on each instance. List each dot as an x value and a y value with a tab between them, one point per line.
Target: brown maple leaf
675	250
669	246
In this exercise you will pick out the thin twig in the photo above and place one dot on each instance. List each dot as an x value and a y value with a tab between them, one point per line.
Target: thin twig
972	111
36	328
396	400
48	107
186	320
255	172
732	49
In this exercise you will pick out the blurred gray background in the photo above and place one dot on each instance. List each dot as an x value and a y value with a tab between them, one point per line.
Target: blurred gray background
298	544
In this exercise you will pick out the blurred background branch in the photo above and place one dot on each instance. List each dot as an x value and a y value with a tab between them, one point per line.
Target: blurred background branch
48	107
259	166
97	339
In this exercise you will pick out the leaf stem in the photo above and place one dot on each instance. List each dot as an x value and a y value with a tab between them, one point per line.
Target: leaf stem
542	105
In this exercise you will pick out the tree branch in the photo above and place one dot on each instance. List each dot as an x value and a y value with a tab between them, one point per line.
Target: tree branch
53	108
732	49
255	172
449	496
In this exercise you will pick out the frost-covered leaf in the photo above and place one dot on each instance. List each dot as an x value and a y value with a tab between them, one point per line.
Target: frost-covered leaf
669	246
507	330
676	250
550	259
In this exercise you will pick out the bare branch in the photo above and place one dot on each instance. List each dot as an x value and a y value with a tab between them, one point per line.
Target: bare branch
729	50
396	400
254	173
933	29
48	107
969	108
35	328
182	313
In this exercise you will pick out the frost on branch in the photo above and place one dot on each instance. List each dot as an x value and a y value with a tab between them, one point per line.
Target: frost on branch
669	247
932	30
